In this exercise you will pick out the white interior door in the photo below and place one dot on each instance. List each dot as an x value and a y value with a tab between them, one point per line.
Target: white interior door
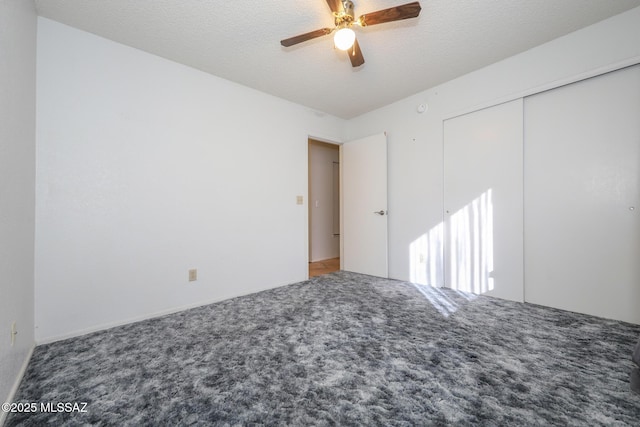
582	195
364	205
483	190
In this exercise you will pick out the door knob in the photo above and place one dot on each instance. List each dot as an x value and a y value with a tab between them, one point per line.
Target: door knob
379	212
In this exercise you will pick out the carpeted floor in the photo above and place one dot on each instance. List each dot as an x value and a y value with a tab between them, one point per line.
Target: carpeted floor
344	349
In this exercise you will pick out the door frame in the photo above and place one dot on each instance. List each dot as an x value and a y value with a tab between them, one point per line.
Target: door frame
308	201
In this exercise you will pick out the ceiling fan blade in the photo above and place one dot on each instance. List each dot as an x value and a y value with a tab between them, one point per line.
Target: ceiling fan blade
335	5
355	55
405	11
306	36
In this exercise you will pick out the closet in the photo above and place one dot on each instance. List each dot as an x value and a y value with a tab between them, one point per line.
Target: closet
582	196
542	198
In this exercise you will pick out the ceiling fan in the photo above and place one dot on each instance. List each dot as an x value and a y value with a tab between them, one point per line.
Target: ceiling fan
345	37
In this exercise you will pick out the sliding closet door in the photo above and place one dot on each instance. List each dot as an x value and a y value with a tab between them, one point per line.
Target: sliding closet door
483	202
582	201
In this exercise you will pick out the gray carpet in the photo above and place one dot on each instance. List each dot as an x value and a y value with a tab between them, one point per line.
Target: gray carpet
344	349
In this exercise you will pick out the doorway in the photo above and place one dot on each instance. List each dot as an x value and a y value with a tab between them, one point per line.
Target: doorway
324	207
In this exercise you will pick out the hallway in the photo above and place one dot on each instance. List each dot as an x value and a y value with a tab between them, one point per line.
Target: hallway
324	267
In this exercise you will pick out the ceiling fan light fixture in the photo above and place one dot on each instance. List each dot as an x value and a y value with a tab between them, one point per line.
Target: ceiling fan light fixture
344	38
343	18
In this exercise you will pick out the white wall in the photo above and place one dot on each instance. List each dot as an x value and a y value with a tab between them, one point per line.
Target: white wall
415	140
323	243
147	168
17	186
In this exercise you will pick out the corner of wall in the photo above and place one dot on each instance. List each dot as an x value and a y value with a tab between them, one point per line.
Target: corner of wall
17	187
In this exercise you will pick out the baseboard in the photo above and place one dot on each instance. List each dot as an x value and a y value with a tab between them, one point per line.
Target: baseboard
153	315
16	384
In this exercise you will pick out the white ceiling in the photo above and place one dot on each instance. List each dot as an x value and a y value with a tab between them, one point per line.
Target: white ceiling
239	40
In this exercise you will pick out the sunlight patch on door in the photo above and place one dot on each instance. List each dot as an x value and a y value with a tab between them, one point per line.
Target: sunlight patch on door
469	250
470	246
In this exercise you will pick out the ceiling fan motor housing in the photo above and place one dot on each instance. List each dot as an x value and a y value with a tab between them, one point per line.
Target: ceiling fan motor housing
345	17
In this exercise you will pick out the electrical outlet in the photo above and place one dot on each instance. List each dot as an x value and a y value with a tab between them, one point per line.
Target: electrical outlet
299	200
14	332
193	275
